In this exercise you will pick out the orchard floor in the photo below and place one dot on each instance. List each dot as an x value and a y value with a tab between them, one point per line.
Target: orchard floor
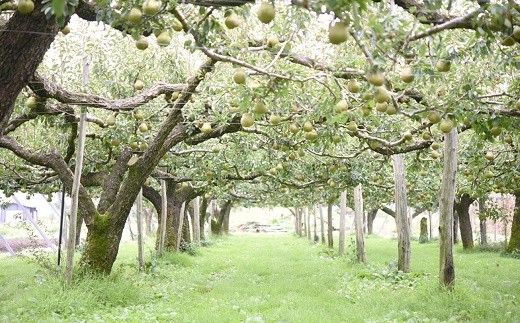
270	278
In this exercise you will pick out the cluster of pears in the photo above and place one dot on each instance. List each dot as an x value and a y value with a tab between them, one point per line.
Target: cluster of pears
445	124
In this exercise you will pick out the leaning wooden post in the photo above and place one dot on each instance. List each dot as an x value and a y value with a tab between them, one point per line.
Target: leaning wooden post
164	213
181	223
196	219
342	220
140	242
71	241
358	217
401	215
447	198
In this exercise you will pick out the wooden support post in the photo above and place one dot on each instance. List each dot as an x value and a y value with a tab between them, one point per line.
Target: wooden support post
342	221
315	224
330	227
401	215
164	214
196	219
308	220
447	198
140	240
322	224
181	223
71	241
7	246
358	216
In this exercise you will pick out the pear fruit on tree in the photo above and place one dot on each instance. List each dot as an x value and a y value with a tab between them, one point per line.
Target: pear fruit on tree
266	12
338	33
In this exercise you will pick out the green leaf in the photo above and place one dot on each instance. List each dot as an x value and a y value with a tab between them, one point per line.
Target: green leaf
59	7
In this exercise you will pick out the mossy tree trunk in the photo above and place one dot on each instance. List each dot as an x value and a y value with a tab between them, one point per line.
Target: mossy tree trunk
466	231
220	225
514	240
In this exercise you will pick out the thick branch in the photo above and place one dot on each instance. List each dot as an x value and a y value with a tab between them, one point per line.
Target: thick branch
47	89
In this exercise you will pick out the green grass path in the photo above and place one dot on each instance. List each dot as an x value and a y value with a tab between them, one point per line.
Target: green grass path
273	278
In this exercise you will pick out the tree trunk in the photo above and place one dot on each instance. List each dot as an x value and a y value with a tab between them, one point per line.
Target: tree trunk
358	216
220	225
330	228
342	215
371	215
447	197
20	54
203	216
423	235
466	231
102	244
401	215
514	240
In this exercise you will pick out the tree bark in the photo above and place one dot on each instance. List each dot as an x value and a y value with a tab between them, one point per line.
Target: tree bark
514	240
24	40
342	216
330	228
371	215
358	216
447	197
423	235
401	215
466	231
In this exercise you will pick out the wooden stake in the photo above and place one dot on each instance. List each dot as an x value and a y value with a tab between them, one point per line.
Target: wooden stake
401	215
447	197
71	241
358	216
322	224
196	219
140	242
342	220
162	231
181	223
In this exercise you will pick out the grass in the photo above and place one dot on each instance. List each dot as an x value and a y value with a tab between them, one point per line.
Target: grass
269	278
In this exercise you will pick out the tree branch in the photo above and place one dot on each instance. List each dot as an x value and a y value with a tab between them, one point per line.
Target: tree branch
47	89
